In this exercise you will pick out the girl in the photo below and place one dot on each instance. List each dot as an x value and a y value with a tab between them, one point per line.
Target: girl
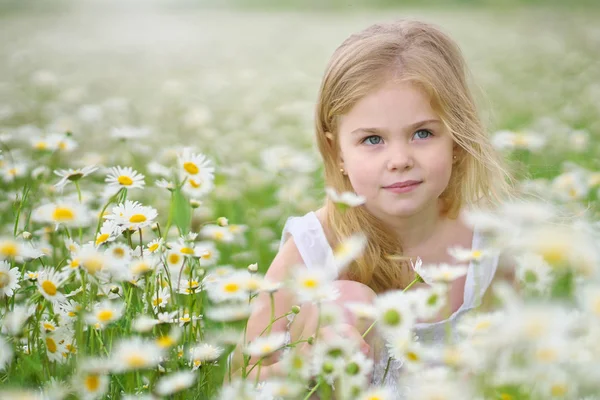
395	123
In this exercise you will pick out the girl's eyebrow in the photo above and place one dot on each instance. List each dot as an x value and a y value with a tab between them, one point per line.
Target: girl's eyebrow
410	127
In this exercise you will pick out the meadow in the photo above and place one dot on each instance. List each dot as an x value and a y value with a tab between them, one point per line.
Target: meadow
151	154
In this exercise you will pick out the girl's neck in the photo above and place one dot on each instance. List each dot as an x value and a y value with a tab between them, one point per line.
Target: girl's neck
419	230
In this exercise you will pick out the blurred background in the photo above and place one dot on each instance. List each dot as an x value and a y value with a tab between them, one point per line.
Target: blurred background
237	80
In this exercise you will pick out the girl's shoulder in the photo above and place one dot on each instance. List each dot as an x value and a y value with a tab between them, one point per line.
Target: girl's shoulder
321	215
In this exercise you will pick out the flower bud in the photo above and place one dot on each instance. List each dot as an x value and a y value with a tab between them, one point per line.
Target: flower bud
154	226
253	267
195	203
296	309
26	235
222	221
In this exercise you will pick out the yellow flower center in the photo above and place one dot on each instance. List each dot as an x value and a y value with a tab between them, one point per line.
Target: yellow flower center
374	397
74	263
135	361
49	288
546	355
506	396
125	180
140	268
63	214
231	287
9	249
118	252
195	184
207	255
41	145
48	326
4	279
72	314
12	171
137	218
219	235
152	248
157	301
482	325
92	383
476	254
310	283
267	348
191	168
93	265
596	306
558	389
102	238
165	341
412	356
173	258
51	345
106	315
187	250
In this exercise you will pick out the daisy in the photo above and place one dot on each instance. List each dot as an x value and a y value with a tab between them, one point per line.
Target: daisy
229	313
142	266
9	279
144	323
209	255
92	260
15	249
175	382
204	352
229	288
124	177
195	166
184	248
462	254
91	385
169	340
105	313
509	140
72	175
534	272
48	283
444	273
265	345
197	188
313	285
10	171
429	301
382	393
156	245
394	314
161	299
108	233
61	142
13	321
345	199
55	346
66	213
589	299
217	233
188	286
132	215
348	250
135	353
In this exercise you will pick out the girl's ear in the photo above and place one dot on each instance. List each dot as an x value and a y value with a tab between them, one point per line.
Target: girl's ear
329	137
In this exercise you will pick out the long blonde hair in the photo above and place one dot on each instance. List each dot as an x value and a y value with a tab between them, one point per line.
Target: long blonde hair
420	53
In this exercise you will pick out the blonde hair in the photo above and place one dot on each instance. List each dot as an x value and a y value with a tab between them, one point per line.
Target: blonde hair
419	53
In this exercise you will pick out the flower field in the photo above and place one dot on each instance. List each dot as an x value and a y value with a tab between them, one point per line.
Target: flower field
150	156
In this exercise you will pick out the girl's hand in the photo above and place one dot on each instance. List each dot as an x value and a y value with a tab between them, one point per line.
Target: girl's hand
331	332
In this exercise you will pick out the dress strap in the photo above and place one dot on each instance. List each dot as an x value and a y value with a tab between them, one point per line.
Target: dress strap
480	274
310	240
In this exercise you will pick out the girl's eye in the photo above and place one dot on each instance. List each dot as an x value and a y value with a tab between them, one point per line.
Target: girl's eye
422	134
373	139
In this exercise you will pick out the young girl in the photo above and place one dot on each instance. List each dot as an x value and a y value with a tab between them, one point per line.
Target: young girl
395	123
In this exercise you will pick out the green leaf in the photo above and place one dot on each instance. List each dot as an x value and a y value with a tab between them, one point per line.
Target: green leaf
182	211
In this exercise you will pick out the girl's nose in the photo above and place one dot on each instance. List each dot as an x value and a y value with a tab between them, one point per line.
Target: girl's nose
399	159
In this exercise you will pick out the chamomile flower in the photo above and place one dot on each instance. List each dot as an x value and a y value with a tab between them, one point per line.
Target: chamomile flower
348	250
108	233
394	314
63	212
510	140
124	177
91	385
228	288
203	353
195	166
9	279
534	272
132	215
72	175
444	273
104	313
161	298
229	313
175	382
55	346
197	188
156	245
345	199
141	266
589	298
313	285
170	339
462	254
49	282
15	249
217	233
6	354
189	286
265	345
14	321
136	353
209	255
382	393
184	248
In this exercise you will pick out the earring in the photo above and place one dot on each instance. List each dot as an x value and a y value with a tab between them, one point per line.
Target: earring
342	171
454	157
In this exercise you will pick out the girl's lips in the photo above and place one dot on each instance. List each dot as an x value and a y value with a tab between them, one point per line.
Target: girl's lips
404	187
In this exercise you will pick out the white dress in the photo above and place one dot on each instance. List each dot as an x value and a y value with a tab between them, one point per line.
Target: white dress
316	252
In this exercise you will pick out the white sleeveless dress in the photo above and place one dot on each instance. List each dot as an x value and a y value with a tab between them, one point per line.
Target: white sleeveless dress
316	252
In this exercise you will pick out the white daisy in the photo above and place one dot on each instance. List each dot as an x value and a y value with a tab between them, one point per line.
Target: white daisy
534	272
265	345
444	273
195	166
108	233
124	177
104	313
91	385
462	254
394	314
6	354
15	249
72	175
345	199
589	299
9	279
315	285
175	382
229	313
161	298
228	288
170	339
209	255
197	188
14	321
348	250
48	283
184	248
56	346
132	215
135	353
217	233
428	301
382	393
63	212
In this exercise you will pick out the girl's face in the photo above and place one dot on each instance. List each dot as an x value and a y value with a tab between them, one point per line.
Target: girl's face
396	151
